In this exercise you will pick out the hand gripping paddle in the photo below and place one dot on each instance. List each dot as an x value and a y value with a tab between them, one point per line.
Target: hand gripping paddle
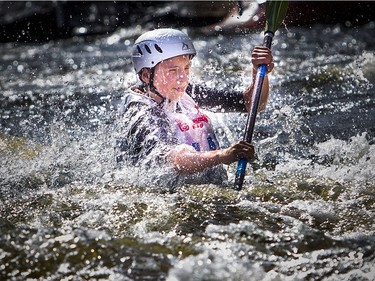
275	14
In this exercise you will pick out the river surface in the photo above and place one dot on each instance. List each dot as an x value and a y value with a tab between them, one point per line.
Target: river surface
306	211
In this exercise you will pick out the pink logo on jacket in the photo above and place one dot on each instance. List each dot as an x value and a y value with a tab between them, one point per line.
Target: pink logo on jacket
197	123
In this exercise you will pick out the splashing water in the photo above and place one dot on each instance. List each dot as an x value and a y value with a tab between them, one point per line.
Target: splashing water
306	212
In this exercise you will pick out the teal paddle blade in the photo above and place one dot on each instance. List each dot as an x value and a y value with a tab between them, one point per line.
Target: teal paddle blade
275	14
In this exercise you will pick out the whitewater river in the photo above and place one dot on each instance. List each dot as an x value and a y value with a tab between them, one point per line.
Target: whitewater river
306	211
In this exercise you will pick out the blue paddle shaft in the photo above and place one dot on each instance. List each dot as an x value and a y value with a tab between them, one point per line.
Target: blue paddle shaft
250	122
241	167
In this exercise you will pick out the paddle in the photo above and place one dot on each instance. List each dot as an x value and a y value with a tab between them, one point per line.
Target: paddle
275	13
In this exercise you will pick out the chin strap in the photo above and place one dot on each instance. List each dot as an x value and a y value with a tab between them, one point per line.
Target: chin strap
153	88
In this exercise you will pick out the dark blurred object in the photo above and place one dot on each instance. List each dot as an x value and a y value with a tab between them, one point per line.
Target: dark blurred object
39	21
350	13
36	21
32	21
249	16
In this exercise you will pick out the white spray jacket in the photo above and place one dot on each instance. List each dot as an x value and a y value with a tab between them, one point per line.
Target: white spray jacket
148	130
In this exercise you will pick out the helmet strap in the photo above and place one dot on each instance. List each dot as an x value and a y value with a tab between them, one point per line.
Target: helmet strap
152	87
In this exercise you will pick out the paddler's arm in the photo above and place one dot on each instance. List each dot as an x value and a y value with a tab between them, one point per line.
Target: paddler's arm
188	161
230	100
260	55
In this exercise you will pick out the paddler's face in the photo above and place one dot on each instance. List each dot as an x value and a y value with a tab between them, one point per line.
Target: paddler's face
172	77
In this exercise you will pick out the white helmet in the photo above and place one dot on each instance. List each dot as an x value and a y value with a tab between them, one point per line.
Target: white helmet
160	44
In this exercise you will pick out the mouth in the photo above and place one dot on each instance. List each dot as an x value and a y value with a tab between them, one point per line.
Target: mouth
180	89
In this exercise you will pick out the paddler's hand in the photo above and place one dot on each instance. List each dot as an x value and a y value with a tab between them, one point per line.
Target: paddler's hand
262	55
238	151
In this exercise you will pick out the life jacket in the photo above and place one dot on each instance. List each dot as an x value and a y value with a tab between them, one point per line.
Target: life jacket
191	125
